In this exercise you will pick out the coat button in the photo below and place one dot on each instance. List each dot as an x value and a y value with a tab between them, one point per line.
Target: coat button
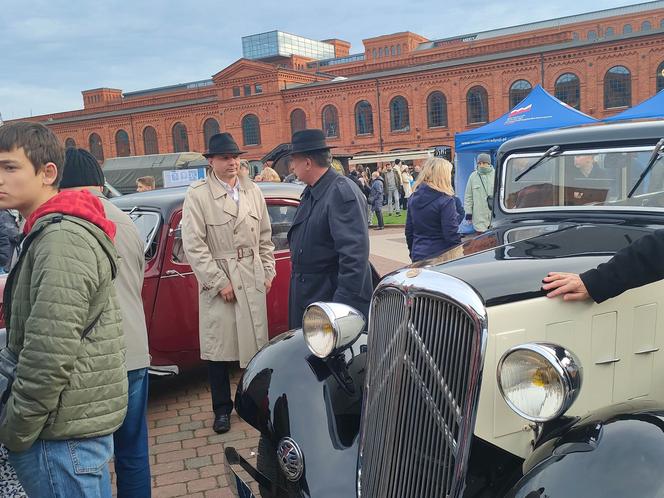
252	229
239	287
300	251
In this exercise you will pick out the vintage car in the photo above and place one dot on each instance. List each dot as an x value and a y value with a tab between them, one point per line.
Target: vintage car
468	381
170	289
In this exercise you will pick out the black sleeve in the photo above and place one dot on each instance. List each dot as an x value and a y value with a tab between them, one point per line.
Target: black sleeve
640	263
351	242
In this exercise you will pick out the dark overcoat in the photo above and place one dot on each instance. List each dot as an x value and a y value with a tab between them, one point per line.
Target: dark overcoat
329	243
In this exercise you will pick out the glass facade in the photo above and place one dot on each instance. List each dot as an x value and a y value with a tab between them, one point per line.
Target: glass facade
280	44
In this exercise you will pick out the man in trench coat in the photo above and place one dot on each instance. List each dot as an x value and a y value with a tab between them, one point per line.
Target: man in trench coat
329	239
227	237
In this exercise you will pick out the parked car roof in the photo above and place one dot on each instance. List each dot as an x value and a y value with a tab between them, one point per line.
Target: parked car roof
168	200
593	135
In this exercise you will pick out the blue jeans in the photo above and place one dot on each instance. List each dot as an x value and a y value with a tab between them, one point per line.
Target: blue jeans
393	203
132	464
74	468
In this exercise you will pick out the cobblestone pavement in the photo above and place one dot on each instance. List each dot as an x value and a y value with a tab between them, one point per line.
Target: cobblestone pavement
186	456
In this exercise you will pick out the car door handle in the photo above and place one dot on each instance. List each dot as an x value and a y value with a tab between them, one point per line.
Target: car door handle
173	273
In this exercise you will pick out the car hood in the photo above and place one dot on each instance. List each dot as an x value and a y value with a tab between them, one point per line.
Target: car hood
508	264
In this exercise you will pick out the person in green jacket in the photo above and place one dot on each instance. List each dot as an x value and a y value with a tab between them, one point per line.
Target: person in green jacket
479	192
63	324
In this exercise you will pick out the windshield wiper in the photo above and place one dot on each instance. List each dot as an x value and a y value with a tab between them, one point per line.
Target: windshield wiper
657	153
552	152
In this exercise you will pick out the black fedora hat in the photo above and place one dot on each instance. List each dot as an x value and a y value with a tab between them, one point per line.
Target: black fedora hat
308	140
222	143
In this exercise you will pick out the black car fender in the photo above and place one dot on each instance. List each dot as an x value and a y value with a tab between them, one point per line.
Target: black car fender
611	452
286	391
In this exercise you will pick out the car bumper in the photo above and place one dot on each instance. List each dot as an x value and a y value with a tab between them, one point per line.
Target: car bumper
238	466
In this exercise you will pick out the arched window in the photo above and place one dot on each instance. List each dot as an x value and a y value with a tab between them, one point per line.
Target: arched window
646	26
330	121
609	32
393	51
660	78
398	49
150	143
70	142
399	119
592	35
568	90
519	91
617	87
374	53
122	144
210	128
251	130
661	23
477	105
436	110
180	138
380	52
363	118
627	28
298	120
96	147
575	36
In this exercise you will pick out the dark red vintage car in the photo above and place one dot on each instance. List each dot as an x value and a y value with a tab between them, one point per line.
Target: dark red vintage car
170	290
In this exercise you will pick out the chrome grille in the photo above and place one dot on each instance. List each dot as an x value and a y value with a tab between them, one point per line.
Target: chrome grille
424	366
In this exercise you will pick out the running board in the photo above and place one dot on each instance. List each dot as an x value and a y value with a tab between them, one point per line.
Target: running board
164	370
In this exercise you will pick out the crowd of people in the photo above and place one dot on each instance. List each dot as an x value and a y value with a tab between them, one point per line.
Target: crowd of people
74	372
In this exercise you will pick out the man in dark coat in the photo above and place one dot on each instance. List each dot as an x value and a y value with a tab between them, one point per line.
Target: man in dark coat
329	240
638	264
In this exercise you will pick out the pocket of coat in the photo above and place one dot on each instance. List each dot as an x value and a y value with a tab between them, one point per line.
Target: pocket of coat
259	273
90	456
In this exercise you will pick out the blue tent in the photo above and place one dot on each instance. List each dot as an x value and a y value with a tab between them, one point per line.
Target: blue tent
651	108
539	111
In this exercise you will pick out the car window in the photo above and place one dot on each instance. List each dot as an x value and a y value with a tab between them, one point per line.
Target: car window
281	218
147	224
583	179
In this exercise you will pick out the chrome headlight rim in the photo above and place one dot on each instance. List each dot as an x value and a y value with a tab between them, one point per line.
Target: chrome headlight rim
567	367
346	322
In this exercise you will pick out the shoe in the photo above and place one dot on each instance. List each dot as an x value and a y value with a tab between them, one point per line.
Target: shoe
222	423
380	228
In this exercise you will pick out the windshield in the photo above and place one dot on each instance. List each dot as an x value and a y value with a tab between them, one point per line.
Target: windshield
583	179
147	224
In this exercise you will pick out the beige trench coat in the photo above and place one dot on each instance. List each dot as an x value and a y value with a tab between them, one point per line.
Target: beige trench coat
228	243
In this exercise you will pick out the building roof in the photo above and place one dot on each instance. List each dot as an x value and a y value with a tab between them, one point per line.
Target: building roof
551	23
170	88
480	59
130	110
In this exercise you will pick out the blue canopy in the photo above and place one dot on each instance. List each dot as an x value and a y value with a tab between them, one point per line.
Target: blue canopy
539	111
651	108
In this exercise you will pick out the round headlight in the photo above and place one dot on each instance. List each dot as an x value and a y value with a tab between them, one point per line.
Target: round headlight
539	381
328	327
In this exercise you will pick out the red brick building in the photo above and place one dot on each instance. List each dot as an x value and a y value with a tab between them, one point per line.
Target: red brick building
402	92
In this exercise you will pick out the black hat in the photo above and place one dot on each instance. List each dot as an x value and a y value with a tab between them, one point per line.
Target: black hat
222	143
81	170
307	141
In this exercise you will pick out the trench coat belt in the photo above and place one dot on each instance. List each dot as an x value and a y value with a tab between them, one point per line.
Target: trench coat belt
239	253
321	268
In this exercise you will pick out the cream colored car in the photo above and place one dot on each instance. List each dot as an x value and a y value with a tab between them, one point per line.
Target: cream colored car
469	381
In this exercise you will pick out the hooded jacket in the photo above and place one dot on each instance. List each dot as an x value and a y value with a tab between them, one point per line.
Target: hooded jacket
376	194
432	223
66	387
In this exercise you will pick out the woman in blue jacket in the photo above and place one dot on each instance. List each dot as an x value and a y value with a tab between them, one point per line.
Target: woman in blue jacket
432	222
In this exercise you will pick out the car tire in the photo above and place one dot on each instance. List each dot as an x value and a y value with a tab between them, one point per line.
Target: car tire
267	464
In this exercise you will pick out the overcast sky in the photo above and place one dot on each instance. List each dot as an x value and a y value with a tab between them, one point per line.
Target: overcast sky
50	50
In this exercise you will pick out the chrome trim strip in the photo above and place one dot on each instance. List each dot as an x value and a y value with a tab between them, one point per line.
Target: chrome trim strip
646	351
607	362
